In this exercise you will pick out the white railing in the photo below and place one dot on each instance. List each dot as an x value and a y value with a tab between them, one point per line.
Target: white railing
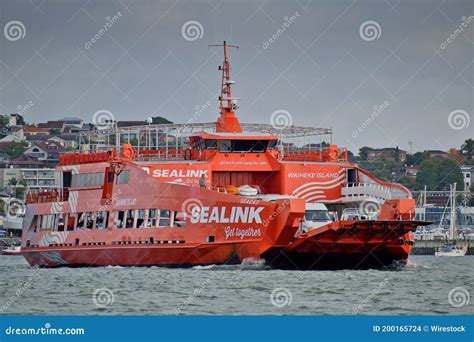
366	191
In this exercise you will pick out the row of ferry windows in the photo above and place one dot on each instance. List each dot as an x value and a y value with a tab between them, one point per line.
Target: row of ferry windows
96	179
131	218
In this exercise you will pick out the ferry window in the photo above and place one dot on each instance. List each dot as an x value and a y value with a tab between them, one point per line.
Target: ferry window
224	146
151	218
60	218
67	177
89	220
101	220
81	220
123	177
34	223
49	221
39	224
119	216
165	218
130	218
71	221
141	218
179	219
44	219
88	179
272	144
317	216
210	144
249	145
110	176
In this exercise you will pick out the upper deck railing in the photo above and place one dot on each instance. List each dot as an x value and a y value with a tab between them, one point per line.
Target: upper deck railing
176	136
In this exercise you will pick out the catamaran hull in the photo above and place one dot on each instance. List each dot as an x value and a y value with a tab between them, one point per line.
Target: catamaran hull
347	245
143	255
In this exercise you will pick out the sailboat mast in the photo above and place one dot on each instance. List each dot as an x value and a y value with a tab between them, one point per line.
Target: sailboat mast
452	221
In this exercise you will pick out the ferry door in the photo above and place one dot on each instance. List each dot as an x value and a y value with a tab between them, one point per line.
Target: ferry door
108	183
351	177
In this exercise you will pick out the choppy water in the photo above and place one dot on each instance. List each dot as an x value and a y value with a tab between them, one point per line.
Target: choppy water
422	287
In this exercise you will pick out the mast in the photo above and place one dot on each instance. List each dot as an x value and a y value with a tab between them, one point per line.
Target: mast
452	221
228	121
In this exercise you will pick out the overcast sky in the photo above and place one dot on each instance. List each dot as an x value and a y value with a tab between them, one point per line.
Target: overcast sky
322	67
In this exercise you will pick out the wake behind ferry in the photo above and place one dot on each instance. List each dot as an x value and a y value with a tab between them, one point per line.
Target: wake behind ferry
216	193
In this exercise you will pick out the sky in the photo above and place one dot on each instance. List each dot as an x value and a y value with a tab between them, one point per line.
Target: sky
379	73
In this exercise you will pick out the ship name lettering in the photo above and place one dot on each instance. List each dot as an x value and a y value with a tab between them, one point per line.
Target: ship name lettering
179	173
226	215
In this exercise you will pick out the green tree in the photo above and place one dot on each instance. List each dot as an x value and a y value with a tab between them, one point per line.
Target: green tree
426	176
160	120
467	148
13	149
449	172
351	157
417	158
438	174
3	126
397	154
363	151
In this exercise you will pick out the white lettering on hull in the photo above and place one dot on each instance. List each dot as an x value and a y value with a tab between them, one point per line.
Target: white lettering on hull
313	174
242	233
245	215
166	173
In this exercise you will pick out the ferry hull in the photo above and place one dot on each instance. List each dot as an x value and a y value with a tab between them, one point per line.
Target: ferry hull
348	245
143	255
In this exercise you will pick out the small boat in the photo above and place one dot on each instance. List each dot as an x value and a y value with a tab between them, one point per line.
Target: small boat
450	249
12	250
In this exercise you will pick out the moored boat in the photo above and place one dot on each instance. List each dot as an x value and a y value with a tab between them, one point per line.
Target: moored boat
11	250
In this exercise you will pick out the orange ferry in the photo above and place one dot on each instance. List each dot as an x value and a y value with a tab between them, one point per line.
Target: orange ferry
216	193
